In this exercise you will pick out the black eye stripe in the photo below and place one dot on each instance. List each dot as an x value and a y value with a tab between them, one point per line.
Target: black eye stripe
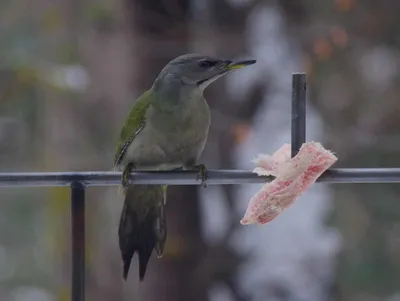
207	64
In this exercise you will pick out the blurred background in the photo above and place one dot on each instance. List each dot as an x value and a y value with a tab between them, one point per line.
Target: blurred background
71	69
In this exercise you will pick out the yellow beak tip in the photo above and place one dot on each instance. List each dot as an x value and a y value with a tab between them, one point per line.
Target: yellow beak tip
236	67
241	64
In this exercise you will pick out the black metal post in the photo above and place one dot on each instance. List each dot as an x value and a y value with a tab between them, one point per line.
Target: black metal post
78	241
299	88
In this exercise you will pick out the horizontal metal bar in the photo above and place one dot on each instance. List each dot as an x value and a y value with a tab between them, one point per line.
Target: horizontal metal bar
214	177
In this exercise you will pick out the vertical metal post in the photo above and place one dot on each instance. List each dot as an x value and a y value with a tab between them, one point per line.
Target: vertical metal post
299	87
78	241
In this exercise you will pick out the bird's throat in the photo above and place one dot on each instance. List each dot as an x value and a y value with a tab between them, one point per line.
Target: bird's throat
209	80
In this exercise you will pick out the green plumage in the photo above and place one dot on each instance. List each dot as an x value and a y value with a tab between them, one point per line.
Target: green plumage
135	120
142	225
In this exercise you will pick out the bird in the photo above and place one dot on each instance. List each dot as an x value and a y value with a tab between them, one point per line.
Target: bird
166	129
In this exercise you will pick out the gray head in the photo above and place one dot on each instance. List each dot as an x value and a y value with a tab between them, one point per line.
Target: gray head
196	71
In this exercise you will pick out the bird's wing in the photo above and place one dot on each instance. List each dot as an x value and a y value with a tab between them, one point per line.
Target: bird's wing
133	125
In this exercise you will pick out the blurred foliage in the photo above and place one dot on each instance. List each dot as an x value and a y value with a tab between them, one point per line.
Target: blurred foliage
69	71
349	53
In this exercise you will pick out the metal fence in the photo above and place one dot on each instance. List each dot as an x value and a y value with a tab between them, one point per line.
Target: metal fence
78	181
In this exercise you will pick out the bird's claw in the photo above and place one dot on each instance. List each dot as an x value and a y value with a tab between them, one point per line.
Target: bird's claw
202	174
126	173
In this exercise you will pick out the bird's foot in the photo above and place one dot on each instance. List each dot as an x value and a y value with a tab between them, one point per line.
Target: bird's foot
202	174
125	174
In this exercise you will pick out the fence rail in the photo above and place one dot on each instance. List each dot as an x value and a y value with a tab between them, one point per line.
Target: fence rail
78	181
214	177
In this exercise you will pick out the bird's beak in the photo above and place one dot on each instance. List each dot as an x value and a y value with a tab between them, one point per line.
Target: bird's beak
224	68
240	64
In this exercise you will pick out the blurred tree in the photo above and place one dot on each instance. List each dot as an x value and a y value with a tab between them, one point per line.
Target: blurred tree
160	31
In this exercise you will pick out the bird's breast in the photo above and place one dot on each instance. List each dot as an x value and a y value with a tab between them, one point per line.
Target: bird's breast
170	140
184	131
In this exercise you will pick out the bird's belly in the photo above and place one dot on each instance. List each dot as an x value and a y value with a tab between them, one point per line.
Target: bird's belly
167	150
183	147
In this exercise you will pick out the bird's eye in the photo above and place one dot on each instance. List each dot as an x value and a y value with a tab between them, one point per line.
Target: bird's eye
206	64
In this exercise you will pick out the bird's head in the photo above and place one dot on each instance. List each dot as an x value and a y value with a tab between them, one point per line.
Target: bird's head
198	71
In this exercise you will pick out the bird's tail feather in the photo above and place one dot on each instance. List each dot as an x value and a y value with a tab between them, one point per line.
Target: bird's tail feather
142	225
